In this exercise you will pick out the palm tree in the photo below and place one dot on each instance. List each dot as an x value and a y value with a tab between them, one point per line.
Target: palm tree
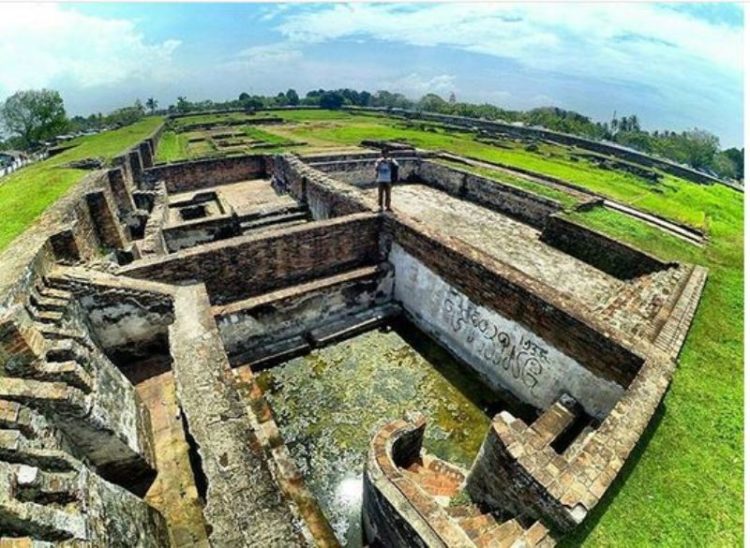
152	103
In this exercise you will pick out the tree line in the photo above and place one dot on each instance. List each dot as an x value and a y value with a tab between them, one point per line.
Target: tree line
33	117
695	147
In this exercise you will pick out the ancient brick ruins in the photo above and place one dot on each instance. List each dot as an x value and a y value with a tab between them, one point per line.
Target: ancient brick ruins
136	312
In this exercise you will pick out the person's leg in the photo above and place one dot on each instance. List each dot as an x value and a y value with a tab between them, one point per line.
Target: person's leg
381	193
388	197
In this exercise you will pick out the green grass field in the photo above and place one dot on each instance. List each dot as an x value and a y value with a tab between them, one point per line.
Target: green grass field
179	123
683	484
24	195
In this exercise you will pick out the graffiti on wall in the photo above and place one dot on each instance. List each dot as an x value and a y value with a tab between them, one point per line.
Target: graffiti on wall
520	357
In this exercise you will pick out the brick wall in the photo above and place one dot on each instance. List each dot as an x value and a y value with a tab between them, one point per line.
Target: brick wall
512	201
199	174
251	265
326	197
511	294
613	257
361	171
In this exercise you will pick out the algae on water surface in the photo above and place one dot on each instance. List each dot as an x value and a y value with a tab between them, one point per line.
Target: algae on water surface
328	404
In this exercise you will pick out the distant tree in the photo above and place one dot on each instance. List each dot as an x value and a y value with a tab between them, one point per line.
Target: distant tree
291	97
34	115
152	103
452	98
365	98
384	98
126	116
183	105
244	97
700	147
280	99
737	158
332	100
432	103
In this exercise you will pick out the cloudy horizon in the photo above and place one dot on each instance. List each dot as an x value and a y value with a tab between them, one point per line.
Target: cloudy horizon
676	66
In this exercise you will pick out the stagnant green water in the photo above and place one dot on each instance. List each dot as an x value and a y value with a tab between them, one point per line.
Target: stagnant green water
329	403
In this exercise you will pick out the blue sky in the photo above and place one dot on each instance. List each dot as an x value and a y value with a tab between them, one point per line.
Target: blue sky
676	66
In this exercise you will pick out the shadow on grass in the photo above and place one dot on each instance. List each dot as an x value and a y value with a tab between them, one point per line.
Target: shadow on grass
581	533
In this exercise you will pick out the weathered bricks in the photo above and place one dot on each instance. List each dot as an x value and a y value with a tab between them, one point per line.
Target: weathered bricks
251	265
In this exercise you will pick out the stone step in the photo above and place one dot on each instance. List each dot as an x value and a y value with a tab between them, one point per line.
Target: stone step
464	511
41	302
54	333
269	354
52	293
67	350
507	533
477	526
296	291
351	325
273	220
68	372
46	316
260	214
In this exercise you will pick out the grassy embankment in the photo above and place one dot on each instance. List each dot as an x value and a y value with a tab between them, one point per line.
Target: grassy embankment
683	486
25	194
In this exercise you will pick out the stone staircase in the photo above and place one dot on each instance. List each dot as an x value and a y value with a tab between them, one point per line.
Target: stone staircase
277	218
443	481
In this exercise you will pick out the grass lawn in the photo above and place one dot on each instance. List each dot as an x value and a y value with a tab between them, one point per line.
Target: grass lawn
173	147
270	138
25	194
684	485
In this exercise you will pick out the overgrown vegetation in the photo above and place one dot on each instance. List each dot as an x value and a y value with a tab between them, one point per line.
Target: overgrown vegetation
24	195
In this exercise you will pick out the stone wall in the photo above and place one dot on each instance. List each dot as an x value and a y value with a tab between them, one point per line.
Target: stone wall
289	313
506	354
325	196
360	172
244	506
193	233
514	202
508	292
251	265
611	256
200	174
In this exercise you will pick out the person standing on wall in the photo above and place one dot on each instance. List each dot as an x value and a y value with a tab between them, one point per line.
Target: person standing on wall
386	173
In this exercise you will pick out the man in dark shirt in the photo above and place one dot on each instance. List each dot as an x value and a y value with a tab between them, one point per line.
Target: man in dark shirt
386	172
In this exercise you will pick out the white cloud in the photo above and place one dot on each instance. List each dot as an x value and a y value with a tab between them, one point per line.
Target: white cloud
268	55
416	85
45	43
617	41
